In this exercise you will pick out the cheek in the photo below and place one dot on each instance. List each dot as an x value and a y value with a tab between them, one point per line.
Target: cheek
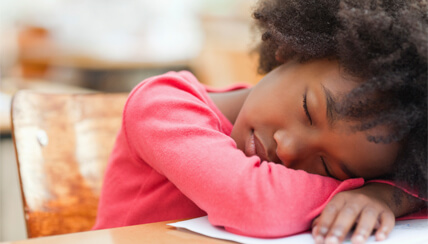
239	131
251	111
248	119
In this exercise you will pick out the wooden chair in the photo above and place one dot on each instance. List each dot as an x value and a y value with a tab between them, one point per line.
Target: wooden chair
62	144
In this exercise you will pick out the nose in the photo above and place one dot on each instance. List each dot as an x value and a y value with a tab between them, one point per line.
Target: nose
294	150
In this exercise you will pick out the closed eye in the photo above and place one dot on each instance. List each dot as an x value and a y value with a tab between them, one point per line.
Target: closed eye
305	107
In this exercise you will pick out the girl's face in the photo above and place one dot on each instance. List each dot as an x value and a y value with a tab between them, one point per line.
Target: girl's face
286	119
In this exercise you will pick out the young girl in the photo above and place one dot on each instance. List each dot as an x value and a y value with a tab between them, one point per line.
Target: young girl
343	101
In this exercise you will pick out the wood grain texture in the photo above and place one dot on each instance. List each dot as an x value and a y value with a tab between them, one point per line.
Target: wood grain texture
62	143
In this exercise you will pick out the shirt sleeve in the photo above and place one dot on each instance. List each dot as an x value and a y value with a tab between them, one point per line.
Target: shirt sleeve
169	125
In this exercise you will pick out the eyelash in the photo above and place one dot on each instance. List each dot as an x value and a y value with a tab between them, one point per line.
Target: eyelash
325	167
305	107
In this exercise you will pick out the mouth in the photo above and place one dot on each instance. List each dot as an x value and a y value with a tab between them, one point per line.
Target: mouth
250	146
260	149
254	146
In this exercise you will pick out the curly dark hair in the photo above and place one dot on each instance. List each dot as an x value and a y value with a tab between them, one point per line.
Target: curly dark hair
382	43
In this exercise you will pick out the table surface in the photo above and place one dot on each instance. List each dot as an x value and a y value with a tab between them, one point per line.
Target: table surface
158	232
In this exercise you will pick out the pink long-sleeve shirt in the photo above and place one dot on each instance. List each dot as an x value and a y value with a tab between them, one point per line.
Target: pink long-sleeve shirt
174	158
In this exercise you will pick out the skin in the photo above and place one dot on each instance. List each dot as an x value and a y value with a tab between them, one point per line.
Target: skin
289	135
371	207
270	121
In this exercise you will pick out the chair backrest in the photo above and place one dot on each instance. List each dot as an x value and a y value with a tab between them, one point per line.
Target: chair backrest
62	144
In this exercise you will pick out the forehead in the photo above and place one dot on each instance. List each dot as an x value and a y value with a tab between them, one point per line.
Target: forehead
325	72
322	73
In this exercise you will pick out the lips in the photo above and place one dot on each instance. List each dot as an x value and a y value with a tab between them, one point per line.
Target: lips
250	146
255	147
260	149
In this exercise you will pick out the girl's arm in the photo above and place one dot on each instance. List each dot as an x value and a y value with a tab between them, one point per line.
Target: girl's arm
171	124
176	131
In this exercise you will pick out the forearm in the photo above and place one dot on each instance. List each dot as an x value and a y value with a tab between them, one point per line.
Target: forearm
397	200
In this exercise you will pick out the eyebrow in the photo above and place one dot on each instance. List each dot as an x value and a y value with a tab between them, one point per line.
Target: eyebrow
347	171
330	104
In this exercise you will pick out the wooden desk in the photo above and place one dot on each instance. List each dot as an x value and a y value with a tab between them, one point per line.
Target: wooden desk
146	233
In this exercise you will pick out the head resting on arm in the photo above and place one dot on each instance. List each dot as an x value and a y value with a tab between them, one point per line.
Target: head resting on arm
383	45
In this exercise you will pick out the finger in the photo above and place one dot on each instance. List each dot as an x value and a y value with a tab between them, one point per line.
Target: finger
315	230
326	219
367	222
315	221
387	222
319	239
315	227
345	219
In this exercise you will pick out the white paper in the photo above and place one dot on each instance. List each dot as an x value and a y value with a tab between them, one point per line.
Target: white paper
406	231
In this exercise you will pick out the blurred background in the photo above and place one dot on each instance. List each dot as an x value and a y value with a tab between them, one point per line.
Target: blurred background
110	46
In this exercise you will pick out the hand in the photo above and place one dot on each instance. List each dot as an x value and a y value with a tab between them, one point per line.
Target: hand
366	210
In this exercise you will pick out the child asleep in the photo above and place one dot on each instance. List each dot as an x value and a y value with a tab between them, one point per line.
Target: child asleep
333	136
